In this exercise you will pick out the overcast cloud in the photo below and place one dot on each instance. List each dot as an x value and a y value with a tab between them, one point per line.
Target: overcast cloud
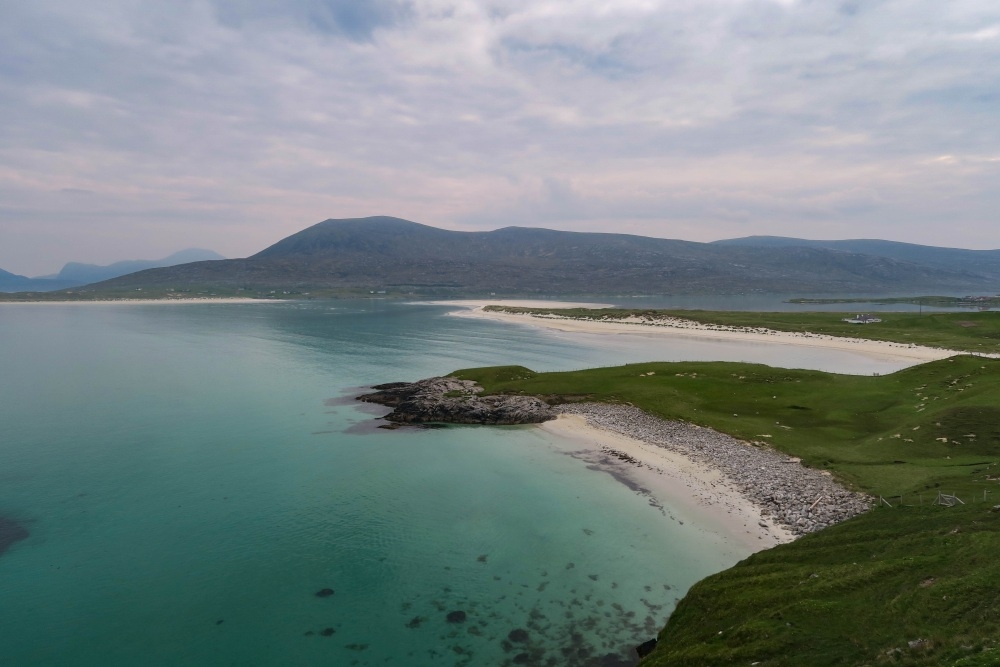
131	129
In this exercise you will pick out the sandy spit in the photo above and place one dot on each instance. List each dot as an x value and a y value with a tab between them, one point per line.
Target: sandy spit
674	327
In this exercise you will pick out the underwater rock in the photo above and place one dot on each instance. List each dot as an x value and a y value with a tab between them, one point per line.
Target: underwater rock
328	632
646	647
10	532
456	616
324	593
518	635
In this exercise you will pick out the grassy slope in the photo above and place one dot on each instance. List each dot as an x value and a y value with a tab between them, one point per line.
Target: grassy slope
970	332
844	423
852	595
867	599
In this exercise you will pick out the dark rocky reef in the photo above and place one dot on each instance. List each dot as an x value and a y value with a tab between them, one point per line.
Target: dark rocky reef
645	648
10	532
449	400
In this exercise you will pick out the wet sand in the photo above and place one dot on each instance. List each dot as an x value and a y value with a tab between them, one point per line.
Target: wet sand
688	491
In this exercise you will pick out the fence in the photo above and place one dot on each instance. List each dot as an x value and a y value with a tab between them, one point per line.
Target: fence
939	498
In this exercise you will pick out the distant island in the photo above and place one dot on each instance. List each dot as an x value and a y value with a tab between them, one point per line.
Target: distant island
75	274
397	258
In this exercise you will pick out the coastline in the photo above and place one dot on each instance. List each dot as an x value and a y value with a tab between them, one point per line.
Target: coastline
677	328
747	494
687	491
478	304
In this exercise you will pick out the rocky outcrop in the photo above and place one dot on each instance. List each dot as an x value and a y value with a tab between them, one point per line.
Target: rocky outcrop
449	400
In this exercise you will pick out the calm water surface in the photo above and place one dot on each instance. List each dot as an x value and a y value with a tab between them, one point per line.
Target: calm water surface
190	477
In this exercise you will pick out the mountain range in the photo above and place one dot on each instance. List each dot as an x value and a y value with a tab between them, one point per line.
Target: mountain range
75	274
398	256
985	262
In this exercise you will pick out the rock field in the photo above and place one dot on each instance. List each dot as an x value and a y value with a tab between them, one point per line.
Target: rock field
449	400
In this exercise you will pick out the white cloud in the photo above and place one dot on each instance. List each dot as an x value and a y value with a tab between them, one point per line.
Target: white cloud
712	118
993	32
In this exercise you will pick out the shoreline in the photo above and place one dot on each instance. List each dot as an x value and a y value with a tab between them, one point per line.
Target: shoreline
753	496
684	490
478	304
678	328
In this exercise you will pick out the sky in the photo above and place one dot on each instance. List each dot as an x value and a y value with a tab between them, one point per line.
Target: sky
133	128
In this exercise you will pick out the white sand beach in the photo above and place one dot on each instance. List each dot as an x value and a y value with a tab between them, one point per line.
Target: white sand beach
692	493
692	490
679	328
472	306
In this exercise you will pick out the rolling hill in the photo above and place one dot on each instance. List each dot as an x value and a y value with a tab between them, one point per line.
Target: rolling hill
985	262
399	256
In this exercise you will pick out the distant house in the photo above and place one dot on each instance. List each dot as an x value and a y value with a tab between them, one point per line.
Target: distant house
862	319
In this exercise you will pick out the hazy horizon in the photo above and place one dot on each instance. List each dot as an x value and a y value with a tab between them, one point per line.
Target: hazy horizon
134	130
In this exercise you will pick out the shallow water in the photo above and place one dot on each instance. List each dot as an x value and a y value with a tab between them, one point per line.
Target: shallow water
187	486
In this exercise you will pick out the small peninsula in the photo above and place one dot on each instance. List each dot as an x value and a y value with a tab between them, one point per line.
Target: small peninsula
917	336
890	484
454	401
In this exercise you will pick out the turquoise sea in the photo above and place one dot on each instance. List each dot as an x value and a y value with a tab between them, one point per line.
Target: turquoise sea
190	476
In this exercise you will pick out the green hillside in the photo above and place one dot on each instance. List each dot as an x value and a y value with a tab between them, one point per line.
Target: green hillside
910	586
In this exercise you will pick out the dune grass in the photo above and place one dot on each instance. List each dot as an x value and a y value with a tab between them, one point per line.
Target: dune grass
930	427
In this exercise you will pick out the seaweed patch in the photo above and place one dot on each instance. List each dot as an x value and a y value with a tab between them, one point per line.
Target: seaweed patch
10	532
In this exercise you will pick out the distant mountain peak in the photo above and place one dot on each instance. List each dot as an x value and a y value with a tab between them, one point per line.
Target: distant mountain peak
81	274
74	274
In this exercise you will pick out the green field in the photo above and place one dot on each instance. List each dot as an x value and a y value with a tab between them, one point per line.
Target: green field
912	572
929	427
977	332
